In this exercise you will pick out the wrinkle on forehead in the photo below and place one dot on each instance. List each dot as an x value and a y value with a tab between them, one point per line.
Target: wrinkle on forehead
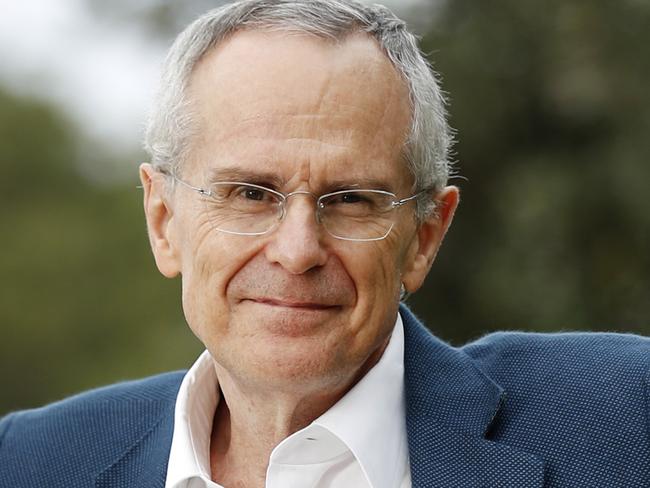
286	126
269	95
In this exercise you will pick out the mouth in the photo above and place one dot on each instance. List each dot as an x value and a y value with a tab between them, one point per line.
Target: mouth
301	305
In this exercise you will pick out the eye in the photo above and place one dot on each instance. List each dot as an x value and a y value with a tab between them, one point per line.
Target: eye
251	194
351	198
254	193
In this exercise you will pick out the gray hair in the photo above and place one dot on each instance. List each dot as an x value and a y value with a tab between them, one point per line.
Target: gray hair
426	150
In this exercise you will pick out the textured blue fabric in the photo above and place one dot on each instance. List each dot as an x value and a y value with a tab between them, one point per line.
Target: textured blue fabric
115	436
510	410
528	410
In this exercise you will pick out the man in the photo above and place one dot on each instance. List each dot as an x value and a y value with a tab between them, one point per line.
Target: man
298	186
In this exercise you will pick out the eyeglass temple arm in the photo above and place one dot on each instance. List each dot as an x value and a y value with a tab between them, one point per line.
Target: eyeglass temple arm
197	189
403	201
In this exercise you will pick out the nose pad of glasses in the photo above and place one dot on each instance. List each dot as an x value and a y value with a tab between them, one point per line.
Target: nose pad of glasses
319	207
283	210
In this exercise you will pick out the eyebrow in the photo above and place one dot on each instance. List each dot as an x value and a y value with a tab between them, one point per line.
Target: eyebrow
363	182
272	180
245	176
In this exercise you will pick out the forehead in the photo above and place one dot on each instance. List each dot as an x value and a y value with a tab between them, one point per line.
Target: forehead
292	103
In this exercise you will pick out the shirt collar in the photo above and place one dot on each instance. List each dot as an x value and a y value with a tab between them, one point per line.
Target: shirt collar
369	420
196	403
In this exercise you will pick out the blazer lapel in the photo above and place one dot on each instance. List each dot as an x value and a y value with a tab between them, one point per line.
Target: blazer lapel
450	405
142	461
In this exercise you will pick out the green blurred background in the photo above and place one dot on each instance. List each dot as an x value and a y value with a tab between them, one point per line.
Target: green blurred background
551	102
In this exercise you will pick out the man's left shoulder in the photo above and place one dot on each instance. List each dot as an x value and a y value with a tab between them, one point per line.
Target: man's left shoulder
564	357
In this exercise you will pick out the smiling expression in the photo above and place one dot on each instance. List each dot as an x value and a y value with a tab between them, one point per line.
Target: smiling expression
295	308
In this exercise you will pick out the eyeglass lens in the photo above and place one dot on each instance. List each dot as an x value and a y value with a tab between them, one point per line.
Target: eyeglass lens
254	210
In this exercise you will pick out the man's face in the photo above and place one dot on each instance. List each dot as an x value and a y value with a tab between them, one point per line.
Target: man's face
295	308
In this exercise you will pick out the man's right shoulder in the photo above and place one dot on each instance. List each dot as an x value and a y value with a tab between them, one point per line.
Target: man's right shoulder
154	389
89	426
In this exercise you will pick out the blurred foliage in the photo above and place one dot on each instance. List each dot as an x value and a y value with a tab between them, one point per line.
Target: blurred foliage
81	302
553	111
553	114
162	18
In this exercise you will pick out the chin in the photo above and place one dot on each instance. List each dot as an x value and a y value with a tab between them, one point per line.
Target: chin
289	364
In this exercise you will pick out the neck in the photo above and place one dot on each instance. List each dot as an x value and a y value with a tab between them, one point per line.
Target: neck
251	420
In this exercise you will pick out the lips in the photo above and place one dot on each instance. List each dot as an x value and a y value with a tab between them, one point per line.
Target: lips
299	304
261	282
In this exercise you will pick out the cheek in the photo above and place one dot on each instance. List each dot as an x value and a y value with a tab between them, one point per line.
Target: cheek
383	263
390	257
210	260
376	274
376	277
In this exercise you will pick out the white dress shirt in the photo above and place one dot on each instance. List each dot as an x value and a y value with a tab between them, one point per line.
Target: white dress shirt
359	442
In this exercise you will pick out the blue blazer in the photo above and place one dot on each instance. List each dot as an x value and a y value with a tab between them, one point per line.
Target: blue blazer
511	410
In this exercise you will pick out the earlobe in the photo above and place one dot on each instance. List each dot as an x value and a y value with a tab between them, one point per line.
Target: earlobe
429	238
159	217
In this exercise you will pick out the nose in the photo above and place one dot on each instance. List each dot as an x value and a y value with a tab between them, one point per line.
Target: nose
296	243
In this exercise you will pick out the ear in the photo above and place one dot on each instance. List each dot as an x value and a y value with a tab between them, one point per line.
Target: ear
429	237
159	216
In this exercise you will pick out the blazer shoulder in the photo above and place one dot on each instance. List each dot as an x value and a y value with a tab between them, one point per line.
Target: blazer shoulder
5	424
578	346
88	427
158	388
565	361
